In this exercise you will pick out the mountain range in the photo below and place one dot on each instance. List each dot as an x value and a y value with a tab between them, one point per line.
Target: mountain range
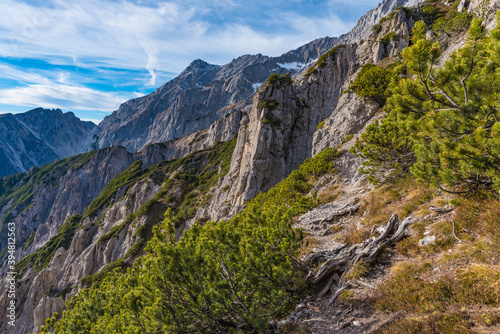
206	146
202	94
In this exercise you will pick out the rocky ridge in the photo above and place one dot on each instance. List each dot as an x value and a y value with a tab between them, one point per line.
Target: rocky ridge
281	131
204	93
39	136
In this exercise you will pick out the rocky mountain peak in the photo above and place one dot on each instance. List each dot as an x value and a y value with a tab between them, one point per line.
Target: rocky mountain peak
39	136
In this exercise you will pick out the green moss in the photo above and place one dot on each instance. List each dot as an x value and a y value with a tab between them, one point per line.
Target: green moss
321	124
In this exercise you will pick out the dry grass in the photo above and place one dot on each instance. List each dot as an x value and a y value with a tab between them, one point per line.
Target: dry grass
359	270
413	288
450	286
403	196
331	194
292	328
309	244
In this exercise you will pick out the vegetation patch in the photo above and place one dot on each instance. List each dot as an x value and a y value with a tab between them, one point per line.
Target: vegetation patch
389	37
323	59
41	258
218	276
321	124
272	120
279	80
408	289
372	82
268	104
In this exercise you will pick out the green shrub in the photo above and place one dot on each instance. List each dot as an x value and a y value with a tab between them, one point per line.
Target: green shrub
321	124
272	120
40	259
268	104
372	82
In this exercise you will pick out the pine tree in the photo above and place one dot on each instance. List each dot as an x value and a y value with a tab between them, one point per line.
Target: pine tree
446	116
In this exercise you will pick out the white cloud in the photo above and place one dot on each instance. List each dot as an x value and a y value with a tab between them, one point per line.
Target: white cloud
57	95
126	35
161	38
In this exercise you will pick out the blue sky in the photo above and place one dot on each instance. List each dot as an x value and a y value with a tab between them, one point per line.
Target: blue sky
89	56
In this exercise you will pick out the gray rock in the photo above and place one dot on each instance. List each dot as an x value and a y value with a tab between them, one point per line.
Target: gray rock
426	241
462	5
348	118
200	95
39	136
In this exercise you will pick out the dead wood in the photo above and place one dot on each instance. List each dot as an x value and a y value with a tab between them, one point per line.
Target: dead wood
337	261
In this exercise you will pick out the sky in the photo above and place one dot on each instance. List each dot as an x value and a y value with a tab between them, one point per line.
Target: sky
89	56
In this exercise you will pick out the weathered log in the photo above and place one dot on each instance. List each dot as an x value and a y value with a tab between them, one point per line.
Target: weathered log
439	209
339	260
337	293
334	278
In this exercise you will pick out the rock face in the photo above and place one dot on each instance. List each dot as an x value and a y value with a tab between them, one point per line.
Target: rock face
280	131
221	130
19	148
63	193
39	136
204	93
200	95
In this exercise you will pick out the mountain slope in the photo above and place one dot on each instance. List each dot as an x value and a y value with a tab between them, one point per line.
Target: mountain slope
20	149
203	93
119	195
39	136
200	95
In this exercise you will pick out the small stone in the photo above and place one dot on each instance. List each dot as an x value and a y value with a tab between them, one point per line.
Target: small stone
300	306
427	241
356	323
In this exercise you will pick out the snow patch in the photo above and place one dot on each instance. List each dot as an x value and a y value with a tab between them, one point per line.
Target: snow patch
292	66
256	86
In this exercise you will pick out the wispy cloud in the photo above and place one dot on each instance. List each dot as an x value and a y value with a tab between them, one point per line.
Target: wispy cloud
55	95
152	38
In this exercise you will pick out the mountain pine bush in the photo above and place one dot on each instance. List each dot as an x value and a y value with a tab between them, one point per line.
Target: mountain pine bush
230	276
444	119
